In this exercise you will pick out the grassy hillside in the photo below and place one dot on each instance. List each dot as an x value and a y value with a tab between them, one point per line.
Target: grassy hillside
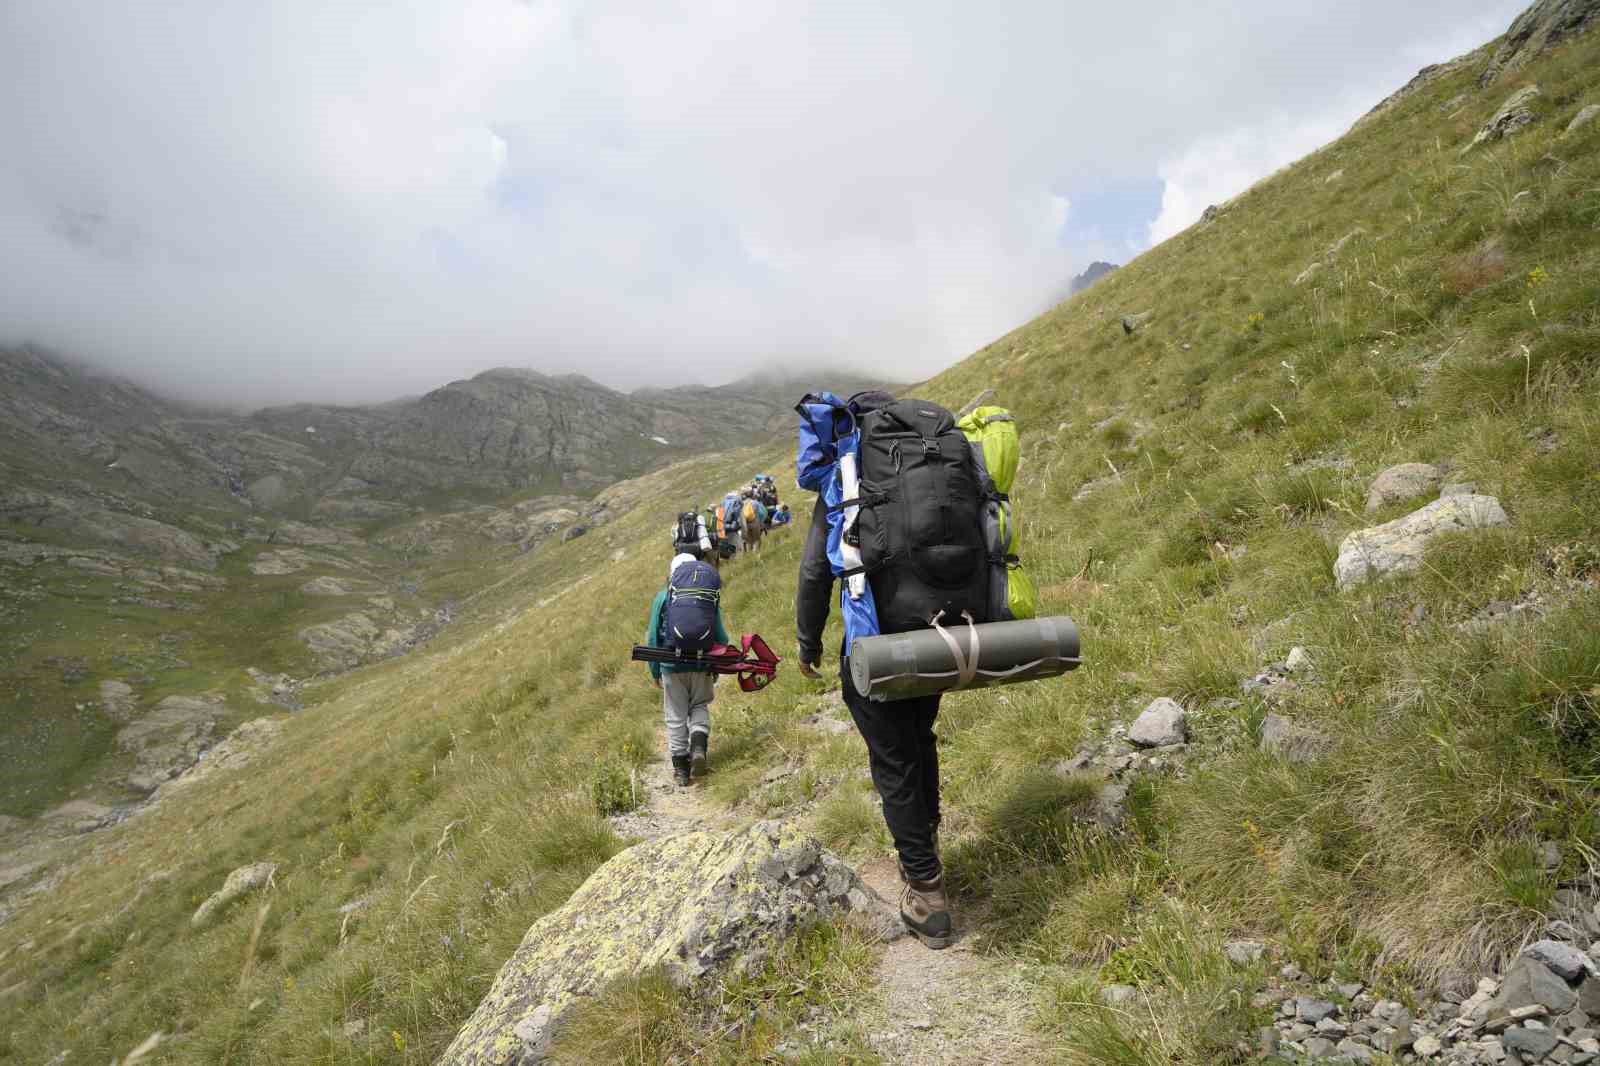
1226	448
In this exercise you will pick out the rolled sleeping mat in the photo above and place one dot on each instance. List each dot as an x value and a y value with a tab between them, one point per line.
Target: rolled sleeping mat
899	666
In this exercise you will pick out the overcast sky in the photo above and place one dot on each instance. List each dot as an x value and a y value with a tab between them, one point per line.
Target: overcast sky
267	200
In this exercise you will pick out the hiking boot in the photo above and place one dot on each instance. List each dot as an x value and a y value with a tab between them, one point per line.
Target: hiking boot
697	752
680	770
926	912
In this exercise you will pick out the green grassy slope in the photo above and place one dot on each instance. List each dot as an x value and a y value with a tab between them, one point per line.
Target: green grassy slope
455	790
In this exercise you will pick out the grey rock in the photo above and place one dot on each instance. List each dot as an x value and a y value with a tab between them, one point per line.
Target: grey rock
1296	743
1135	322
1589	997
1267	1040
1355	1051
1339	245
1530	983
1562	959
1311	1010
1211	213
1393	1039
168	739
1458	488
240	883
1427	1046
1332	1028
1244	952
1319	1047
1162	723
1536	1043
1514	114
1118	995
325	586
1111	805
1563	930
1397	547
1404	482
117	699
1298	661
1583	118
691	904
1541	26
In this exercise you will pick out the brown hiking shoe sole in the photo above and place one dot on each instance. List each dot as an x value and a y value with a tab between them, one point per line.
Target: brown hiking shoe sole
933	943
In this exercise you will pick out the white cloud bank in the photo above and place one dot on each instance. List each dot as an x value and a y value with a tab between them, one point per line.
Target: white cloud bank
289	199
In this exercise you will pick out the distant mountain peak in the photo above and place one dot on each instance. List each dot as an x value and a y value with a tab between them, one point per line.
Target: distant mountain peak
1091	274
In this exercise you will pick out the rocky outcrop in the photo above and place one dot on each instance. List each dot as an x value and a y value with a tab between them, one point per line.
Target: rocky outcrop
240	883
168	739
689	904
1397	547
235	751
1541	27
1135	322
1423	78
1514	114
343	643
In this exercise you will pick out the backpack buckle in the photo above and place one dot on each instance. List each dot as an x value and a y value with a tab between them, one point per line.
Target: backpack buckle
930	446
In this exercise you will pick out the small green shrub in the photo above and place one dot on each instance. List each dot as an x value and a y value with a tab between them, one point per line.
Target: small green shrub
615	788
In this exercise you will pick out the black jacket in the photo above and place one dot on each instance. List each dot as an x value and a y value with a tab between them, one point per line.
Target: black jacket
814	594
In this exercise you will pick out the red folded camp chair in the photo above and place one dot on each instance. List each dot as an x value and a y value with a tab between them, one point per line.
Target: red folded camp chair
753	661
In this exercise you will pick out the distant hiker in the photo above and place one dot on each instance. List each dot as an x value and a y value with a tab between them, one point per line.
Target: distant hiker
905	453
781	517
686	617
766	491
691	537
731	523
753	523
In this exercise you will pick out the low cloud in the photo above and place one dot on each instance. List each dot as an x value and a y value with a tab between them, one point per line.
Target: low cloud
296	200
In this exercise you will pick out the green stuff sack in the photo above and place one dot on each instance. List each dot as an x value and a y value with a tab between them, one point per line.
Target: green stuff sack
992	434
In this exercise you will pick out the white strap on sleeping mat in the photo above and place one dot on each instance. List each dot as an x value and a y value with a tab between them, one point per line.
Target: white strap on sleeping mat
966	665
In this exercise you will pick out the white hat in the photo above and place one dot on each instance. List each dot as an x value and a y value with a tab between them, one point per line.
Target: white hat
677	561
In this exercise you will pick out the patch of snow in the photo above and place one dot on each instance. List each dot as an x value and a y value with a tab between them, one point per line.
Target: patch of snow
661	440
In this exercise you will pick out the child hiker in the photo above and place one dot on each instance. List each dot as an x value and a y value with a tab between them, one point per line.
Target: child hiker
686	617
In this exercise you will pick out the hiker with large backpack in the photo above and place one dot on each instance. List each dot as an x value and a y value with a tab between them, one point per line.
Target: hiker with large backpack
691	537
752	521
731	522
686	617
913	524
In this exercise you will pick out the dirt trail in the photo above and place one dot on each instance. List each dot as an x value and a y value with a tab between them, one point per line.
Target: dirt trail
947	1008
668	809
934	1008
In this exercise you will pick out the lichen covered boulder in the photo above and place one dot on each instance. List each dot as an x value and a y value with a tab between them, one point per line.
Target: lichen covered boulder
689	904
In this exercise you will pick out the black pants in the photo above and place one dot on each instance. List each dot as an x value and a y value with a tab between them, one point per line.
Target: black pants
905	770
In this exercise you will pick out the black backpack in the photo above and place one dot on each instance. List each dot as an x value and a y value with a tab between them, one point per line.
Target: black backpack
687	537
693	596
921	519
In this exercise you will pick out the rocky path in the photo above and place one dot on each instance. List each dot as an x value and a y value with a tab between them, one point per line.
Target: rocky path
668	809
942	1008
947	1008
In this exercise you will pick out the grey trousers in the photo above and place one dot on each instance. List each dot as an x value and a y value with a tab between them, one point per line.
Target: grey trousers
686	704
